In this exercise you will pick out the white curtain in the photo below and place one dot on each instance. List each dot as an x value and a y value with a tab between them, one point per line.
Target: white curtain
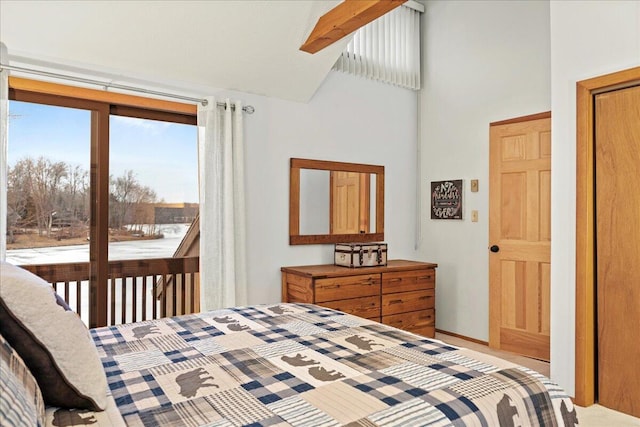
4	131
387	49
223	274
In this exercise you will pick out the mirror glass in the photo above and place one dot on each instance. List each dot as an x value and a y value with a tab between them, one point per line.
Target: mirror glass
334	202
314	201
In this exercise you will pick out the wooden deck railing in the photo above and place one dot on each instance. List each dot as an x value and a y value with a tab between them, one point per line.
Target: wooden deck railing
139	289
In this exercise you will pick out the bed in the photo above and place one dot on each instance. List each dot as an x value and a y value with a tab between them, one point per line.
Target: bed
305	365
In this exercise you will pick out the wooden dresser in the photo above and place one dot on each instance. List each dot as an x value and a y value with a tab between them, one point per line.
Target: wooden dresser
400	294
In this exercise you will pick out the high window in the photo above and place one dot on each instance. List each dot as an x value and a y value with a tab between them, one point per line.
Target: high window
387	49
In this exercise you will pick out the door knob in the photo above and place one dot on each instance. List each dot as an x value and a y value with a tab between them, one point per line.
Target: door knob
495	248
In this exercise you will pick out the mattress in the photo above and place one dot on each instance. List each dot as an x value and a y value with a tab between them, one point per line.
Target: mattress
305	365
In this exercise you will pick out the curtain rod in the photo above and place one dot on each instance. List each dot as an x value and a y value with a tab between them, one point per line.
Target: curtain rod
248	108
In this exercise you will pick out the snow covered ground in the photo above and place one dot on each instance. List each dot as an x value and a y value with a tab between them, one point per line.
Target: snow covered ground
156	248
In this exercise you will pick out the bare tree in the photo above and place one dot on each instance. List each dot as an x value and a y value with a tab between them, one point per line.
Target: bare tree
144	215
35	192
121	195
127	194
76	192
46	190
17	198
41	192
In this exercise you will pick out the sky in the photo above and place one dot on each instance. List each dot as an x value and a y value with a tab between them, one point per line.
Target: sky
163	156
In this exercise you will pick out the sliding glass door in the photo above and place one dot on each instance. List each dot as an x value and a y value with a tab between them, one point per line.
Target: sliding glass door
103	201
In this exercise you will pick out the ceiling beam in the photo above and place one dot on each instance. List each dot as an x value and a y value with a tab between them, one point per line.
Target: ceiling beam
344	19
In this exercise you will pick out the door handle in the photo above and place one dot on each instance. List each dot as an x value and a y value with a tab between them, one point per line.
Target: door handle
494	248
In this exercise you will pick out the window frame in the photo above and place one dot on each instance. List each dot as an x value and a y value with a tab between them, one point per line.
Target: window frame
102	104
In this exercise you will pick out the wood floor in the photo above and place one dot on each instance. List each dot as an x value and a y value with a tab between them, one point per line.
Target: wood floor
593	416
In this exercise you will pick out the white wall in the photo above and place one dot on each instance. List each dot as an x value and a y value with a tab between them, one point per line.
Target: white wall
483	61
349	119
588	38
486	61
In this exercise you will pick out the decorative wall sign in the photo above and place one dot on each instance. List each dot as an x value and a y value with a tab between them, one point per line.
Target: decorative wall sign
446	199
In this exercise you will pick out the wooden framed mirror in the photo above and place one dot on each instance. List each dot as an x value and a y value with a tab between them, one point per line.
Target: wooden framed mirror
335	202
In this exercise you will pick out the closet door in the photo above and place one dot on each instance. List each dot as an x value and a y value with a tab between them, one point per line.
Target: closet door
617	152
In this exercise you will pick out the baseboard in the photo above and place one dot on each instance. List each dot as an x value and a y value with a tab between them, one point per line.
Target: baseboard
453	334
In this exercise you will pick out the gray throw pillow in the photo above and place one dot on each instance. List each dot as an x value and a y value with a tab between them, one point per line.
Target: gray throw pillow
52	341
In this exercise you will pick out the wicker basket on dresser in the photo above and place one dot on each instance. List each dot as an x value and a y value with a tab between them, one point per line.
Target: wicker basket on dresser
400	294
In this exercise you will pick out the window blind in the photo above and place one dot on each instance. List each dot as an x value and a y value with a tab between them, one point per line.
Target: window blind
387	49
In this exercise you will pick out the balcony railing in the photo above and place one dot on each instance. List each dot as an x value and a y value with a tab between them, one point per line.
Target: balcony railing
137	290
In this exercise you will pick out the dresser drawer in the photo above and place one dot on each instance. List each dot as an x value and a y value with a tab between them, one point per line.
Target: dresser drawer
409	286
338	288
408	301
404	281
422	322
368	307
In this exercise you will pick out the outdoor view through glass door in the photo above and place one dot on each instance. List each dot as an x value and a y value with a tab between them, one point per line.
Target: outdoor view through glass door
48	206
47	183
153	198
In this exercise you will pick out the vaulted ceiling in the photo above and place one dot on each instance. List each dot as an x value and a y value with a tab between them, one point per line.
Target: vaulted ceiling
193	46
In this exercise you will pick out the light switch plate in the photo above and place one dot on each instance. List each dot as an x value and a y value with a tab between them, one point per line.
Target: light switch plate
474	216
474	185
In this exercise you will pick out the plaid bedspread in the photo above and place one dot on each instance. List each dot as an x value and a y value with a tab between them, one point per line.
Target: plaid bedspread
303	365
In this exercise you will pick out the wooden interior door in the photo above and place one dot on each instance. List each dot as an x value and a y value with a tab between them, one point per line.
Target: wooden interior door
617	206
520	235
350	202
